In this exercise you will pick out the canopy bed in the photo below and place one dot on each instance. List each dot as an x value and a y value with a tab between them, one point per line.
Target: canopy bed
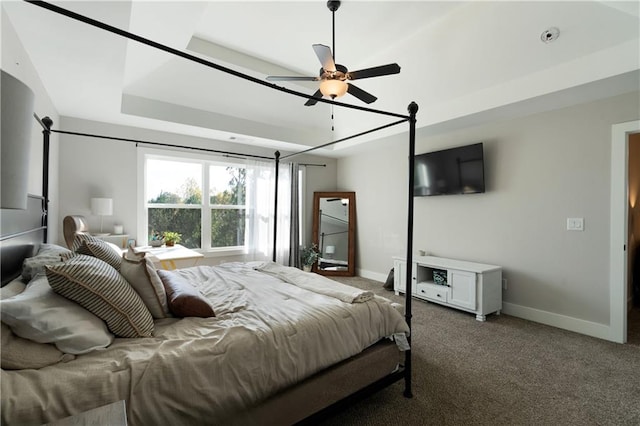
291	369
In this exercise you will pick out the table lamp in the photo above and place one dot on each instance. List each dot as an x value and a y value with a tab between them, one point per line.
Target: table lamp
101	207
330	251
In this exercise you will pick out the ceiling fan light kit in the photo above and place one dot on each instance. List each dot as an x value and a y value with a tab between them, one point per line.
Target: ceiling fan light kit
333	88
334	78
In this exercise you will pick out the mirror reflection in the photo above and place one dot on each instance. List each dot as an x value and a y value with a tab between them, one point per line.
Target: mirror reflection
334	232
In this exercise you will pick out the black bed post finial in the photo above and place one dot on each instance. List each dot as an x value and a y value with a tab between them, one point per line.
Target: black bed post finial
413	110
46	134
275	208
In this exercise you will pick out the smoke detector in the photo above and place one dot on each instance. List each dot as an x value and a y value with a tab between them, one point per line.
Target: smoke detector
550	35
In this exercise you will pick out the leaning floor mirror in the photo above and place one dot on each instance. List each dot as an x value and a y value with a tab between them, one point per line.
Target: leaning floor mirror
334	226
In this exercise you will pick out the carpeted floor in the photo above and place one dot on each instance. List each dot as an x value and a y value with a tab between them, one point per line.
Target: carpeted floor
505	371
633	327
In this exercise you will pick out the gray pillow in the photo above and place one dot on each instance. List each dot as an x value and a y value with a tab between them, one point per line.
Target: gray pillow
48	254
143	277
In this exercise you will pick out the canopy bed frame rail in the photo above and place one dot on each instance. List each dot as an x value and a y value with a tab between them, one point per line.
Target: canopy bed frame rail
405	371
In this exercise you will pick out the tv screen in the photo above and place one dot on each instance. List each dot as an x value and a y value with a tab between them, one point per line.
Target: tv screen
450	171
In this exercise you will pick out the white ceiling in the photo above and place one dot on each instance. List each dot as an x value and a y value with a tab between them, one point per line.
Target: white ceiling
462	62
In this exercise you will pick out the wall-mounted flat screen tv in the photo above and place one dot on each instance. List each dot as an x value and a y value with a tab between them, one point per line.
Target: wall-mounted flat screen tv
457	170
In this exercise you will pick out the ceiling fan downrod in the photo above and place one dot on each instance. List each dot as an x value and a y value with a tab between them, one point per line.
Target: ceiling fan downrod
333	5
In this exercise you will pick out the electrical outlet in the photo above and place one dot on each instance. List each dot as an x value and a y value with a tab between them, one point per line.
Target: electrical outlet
504	283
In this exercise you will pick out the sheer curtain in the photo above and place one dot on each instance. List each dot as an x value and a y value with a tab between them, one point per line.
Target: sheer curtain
260	185
294	215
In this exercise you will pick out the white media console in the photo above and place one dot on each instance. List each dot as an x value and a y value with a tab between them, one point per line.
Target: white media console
469	286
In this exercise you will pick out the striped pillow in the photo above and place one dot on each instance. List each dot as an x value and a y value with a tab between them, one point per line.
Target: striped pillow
81	238
103	251
100	289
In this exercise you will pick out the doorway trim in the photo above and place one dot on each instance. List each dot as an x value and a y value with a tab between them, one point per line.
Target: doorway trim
619	208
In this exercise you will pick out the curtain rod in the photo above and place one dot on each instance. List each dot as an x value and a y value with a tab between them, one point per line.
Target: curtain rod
343	139
194	58
228	153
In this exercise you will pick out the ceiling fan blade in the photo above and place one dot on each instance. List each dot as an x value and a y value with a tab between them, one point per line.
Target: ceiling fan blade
290	78
326	58
312	102
361	94
374	72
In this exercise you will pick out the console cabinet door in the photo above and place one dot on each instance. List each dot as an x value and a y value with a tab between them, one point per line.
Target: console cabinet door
462	288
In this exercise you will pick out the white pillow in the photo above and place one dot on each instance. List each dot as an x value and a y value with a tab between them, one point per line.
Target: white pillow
20	354
39	314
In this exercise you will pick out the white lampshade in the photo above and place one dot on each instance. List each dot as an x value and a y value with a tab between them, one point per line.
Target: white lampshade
330	249
102	206
333	88
17	120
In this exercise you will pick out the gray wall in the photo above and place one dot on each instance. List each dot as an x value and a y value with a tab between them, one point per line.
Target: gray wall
102	168
540	170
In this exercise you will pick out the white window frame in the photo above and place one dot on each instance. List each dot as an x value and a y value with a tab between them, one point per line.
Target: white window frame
205	208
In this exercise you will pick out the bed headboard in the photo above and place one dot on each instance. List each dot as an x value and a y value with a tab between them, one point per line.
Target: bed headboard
22	233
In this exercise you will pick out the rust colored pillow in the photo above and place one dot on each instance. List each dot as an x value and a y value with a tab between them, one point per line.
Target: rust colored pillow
184	299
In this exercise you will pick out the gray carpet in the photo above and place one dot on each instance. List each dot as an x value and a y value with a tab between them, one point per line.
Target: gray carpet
505	371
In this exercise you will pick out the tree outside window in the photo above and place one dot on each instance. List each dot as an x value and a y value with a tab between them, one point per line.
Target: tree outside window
175	201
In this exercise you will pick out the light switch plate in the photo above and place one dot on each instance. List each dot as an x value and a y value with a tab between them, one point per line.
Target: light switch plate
575	224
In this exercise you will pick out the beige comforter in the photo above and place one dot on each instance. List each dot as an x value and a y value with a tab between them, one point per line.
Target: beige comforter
267	335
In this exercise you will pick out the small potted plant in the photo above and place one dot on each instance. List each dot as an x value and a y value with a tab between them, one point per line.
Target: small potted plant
171	238
309	256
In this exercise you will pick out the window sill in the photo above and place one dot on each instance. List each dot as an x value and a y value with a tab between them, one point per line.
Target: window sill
221	252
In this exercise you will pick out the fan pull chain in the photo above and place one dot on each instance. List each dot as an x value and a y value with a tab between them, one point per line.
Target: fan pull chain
332	129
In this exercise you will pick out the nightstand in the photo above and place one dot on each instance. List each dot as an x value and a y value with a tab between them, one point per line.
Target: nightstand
114	414
118	239
174	257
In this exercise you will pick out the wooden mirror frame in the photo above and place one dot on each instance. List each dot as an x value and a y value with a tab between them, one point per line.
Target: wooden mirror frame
351	255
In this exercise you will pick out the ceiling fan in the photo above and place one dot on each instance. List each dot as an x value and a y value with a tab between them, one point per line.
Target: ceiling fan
334	78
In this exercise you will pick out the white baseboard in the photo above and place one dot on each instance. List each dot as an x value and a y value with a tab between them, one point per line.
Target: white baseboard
601	331
376	276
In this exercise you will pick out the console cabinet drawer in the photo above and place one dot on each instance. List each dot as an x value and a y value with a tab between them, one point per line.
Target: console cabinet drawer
433	291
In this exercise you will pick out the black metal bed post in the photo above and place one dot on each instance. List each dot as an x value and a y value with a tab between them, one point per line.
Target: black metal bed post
46	123
413	109
275	208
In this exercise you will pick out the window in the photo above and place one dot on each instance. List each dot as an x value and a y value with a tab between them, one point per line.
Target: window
174	188
227	203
